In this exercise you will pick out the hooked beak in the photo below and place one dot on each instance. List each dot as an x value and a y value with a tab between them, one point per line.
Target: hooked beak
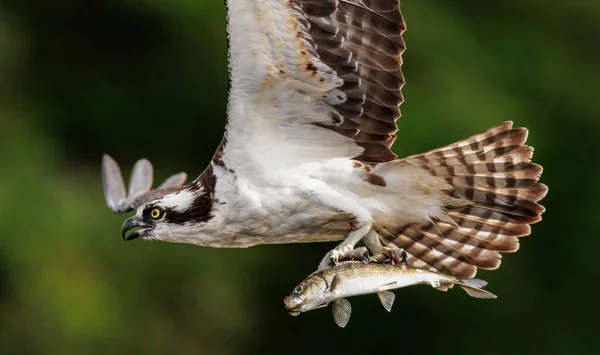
131	223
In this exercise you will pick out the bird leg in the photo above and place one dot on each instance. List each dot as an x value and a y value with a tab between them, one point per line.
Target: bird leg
390	255
373	243
345	249
361	222
357	254
380	253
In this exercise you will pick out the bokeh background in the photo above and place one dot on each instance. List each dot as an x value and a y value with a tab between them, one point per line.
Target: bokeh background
148	78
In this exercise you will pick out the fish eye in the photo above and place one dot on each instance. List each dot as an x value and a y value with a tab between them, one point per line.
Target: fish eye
299	289
155	213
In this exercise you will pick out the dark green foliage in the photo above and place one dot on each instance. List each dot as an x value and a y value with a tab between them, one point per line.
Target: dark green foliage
149	79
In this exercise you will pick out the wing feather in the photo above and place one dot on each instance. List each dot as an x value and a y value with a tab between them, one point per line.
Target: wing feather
372	32
319	79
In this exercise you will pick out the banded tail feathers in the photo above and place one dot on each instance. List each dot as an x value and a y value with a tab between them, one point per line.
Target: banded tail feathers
495	192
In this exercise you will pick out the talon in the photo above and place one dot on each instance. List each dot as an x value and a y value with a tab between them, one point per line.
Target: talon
330	259
378	258
336	256
358	254
391	256
365	257
397	256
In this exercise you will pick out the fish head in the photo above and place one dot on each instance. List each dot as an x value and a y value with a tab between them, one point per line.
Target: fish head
308	295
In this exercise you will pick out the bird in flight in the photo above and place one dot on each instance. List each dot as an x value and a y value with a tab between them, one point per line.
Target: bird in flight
313	104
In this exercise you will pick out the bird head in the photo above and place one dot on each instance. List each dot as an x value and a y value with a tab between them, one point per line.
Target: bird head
171	217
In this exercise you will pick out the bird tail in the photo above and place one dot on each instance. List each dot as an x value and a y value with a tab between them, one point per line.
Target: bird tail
493	199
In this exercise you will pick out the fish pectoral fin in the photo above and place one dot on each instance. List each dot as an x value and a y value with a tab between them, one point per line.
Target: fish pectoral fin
341	312
387	299
388	286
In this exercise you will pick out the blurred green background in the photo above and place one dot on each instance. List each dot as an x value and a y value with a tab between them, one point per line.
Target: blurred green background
148	78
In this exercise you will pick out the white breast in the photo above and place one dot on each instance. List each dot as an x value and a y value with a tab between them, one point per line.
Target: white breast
255	211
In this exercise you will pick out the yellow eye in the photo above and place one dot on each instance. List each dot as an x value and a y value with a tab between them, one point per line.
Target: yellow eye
155	213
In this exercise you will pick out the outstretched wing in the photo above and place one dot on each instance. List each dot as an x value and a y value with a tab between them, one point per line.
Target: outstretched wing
313	79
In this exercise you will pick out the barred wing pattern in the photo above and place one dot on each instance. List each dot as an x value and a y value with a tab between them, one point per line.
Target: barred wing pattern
321	77
362	41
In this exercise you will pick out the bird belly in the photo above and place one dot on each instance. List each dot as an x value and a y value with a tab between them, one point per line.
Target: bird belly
280	215
297	222
313	203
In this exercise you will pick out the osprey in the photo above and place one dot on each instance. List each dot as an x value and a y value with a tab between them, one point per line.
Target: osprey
313	104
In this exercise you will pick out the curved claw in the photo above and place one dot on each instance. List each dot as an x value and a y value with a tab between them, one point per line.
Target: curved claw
390	255
358	254
335	256
330	259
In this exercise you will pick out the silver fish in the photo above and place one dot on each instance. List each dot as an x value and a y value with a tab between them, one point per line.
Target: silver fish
353	278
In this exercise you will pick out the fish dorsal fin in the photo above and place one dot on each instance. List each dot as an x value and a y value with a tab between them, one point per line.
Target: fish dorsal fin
335	282
387	299
341	312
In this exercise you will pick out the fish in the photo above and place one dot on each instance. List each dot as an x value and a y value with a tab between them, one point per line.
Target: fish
353	278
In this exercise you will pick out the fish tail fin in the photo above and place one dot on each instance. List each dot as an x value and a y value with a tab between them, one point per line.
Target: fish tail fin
476	283
473	288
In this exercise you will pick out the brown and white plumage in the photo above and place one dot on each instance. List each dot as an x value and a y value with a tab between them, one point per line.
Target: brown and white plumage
312	68
314	99
493	174
362	41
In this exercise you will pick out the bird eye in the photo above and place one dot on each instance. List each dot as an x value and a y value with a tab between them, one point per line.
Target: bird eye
155	213
299	289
